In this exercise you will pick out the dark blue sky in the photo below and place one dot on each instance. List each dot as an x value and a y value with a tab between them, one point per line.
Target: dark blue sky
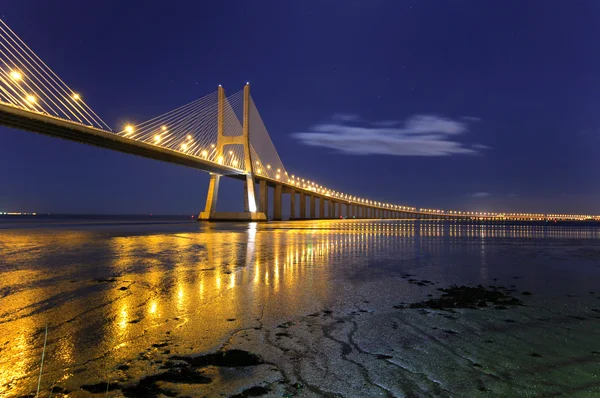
467	105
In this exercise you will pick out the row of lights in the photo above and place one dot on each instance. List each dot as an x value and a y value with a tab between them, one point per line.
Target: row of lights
314	187
575	216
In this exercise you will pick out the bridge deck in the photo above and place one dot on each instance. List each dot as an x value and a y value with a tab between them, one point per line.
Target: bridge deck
11	116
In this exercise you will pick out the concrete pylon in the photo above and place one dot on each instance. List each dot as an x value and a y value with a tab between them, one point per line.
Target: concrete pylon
321	207
277	197
302	215
292	204
263	197
250	212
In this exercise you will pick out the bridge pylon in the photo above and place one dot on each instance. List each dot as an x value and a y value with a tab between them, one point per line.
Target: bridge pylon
250	212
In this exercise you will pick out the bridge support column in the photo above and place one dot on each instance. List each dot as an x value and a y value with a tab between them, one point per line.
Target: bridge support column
277	196
250	211
211	198
330	210
321	207
292	205
263	197
347	206
246	203
313	207
302	206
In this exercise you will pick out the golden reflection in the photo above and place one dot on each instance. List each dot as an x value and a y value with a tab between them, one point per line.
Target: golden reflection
124	317
153	308
180	298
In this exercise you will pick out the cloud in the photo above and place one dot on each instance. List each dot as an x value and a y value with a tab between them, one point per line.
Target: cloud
419	135
386	123
480	195
345	117
471	118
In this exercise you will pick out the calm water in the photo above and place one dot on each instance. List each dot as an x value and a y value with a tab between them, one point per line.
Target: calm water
136	291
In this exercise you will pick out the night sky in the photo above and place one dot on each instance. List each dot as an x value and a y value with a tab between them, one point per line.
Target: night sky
465	105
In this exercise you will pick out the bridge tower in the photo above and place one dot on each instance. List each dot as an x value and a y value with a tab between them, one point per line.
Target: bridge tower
250	212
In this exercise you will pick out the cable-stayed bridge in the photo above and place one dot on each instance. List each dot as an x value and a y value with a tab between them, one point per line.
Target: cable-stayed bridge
219	134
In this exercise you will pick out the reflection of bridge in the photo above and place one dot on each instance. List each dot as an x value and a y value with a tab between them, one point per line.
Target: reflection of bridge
224	136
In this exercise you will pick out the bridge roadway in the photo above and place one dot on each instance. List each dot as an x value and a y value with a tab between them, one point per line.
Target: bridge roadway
328	207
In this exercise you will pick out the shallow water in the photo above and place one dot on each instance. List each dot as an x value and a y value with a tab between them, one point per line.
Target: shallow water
120	297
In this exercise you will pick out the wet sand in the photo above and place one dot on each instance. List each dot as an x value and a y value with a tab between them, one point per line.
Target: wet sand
301	309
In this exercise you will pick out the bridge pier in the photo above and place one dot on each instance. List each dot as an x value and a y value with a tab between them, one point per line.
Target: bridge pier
313	207
292	204
302	215
263	197
321	207
277	196
211	198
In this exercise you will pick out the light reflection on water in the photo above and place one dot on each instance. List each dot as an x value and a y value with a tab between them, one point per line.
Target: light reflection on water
201	281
